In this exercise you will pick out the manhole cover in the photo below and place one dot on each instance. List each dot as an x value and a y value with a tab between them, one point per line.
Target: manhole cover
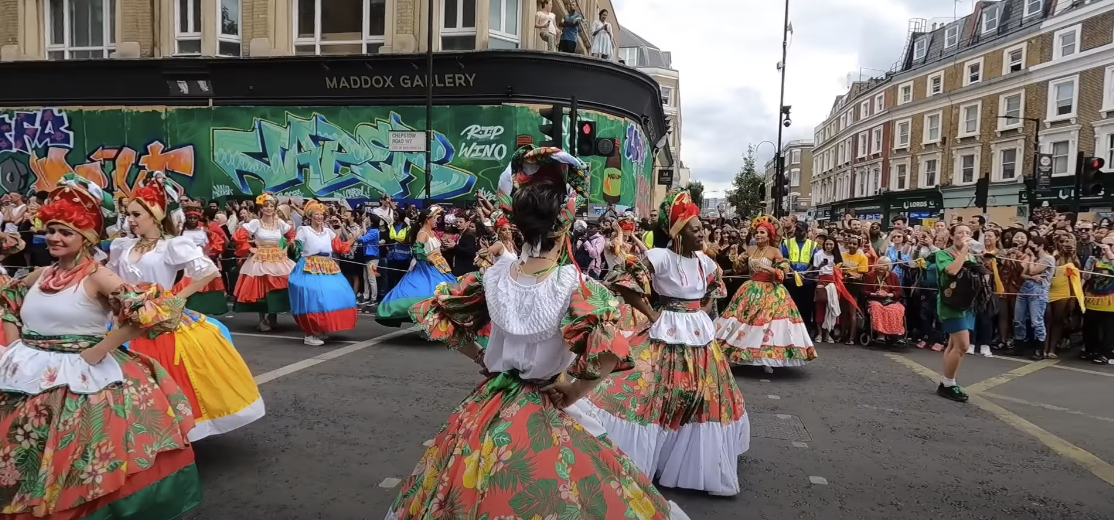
778	426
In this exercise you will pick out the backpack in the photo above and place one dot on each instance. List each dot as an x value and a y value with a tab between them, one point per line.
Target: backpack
581	256
968	289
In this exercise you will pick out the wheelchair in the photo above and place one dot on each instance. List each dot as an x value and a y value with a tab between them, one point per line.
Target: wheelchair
869	337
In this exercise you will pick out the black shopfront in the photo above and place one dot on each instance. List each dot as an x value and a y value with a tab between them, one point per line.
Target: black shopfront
1058	196
916	205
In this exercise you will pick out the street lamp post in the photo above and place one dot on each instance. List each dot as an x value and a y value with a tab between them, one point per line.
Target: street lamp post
783	118
429	102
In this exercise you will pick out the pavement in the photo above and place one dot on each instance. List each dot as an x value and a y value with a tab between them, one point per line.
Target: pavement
858	434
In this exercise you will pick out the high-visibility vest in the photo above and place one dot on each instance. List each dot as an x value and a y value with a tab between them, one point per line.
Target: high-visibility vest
398	235
648	238
797	251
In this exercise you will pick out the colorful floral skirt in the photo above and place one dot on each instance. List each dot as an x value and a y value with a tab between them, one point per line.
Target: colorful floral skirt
506	452
210	300
887	319
262	282
116	450
321	298
415	286
679	415
762	326
199	355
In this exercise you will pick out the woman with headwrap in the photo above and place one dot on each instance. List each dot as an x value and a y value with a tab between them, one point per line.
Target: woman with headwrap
261	285
89	430
210	299
198	353
428	270
762	326
680	416
321	299
511	446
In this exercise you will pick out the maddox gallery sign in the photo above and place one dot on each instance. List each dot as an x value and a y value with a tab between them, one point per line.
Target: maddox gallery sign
405	81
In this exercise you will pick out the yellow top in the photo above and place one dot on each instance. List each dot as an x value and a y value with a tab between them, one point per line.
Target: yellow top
1059	290
855	263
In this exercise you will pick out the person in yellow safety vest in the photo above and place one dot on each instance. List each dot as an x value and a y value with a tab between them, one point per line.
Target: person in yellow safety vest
648	238
798	251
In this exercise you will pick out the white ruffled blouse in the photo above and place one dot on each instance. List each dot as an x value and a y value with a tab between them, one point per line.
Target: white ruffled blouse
162	264
683	278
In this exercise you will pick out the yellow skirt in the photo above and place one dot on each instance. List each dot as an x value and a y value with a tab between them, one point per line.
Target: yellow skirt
1059	288
200	357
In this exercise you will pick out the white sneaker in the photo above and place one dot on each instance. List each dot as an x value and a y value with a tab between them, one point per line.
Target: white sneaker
971	349
313	341
264	326
768	369
985	351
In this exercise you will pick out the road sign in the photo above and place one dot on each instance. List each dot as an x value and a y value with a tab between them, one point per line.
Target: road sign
404	141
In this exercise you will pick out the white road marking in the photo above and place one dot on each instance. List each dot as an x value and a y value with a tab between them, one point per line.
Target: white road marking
800	444
784	416
332	354
389	483
272	336
773	397
763	380
821	481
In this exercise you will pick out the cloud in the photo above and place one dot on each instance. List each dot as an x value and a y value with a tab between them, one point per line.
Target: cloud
727	51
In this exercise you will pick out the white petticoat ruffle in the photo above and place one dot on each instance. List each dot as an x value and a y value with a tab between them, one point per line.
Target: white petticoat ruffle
32	371
698	456
693	329
675	513
733	333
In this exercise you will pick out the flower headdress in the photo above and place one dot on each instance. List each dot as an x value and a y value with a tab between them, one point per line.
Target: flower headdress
676	211
192	207
767	223
311	206
531	164
500	219
627	223
264	198
80	205
158	196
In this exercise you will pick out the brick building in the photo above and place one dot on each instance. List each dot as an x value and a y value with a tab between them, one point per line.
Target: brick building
969	98
799	167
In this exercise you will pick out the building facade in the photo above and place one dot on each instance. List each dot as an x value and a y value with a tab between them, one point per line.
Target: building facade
315	111
658	64
798	166
975	97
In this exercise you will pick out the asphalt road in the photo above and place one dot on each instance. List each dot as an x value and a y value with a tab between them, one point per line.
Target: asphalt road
859	434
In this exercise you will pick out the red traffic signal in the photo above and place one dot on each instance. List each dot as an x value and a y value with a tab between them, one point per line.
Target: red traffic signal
1093	163
586	128
1091	176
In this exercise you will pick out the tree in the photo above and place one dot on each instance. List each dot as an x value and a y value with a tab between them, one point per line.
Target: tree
747	190
696	191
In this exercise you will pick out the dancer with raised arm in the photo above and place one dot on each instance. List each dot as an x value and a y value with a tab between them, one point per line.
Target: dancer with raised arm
198	353
89	430
511	450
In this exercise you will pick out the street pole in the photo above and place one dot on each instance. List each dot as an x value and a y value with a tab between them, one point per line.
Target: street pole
429	102
779	168
1077	190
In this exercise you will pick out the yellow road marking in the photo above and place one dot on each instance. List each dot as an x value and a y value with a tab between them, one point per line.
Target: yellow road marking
1100	468
1045	406
1002	379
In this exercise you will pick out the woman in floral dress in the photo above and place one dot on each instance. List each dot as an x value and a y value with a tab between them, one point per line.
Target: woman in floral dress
679	414
762	326
89	430
511	449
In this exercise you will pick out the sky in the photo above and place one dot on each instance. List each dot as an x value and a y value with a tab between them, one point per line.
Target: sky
727	52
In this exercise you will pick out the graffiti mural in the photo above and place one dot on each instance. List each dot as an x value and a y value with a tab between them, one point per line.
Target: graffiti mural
326	152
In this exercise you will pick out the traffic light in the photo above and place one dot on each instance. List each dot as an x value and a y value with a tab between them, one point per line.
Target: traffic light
585	138
982	192
552	128
1091	177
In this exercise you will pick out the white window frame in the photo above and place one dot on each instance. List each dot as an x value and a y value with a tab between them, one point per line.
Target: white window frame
861	151
922	164
1068	159
795	156
458	29
109	27
222	37
1076	32
879	102
1033	7
920	48
1053	85
989	19
1006	63
365	42
997	167
925	139
1071	135
795	177
667	95
876	140
1108	94
501	34
928	84
1003	123
898	143
951	36
1104	144
959	154
626	53
967	75
191	35
961	130
893	184
864	110
902	89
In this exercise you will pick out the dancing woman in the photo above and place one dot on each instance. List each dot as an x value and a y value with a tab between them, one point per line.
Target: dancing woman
262	283
210	299
198	353
679	415
762	326
428	270
511	450
321	299
89	430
